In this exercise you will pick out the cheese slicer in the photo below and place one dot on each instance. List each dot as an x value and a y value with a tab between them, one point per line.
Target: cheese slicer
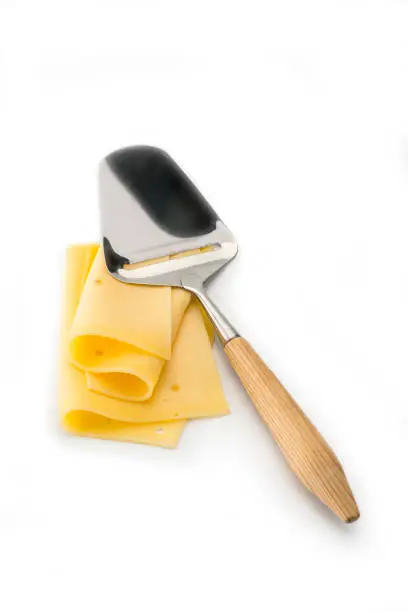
158	229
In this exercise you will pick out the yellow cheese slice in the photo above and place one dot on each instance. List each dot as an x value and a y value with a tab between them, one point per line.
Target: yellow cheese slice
121	335
189	385
75	400
141	316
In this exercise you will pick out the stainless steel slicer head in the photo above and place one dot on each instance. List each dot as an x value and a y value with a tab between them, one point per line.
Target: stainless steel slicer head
157	228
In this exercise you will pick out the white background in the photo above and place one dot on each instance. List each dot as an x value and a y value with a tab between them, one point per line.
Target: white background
292	118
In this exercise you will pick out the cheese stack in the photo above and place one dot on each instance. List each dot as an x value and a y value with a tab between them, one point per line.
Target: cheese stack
136	361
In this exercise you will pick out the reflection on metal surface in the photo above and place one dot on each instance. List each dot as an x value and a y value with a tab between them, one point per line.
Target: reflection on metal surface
158	229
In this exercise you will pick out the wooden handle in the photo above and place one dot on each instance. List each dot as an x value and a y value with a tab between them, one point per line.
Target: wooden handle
307	453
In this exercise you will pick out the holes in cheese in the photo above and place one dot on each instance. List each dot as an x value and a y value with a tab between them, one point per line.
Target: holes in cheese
132	314
160	419
79	406
112	340
115	368
91	425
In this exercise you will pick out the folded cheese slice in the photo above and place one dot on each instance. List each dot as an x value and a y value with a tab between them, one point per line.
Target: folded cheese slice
188	387
75	399
121	335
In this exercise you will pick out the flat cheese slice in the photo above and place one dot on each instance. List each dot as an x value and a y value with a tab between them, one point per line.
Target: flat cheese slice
75	399
121	335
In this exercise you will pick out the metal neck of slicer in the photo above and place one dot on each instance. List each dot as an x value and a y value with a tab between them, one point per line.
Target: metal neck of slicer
223	327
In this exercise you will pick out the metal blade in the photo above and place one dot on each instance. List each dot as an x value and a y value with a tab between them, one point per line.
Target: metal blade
157	227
